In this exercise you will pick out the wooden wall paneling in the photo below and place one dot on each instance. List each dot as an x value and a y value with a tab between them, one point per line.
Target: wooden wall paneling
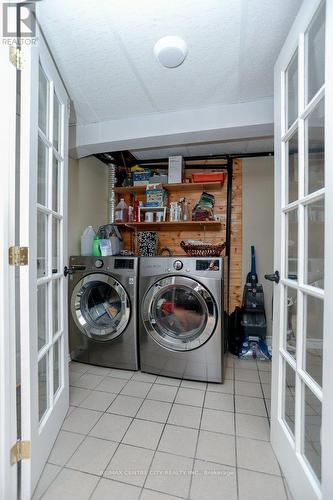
235	285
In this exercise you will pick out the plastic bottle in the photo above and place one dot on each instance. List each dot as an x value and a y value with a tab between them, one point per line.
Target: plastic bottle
135	210
142	214
96	251
121	211
185	213
130	214
87	238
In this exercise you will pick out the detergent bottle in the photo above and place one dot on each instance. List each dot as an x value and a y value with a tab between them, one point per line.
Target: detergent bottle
96	251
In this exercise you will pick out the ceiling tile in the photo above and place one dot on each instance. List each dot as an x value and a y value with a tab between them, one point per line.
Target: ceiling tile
264	27
104	51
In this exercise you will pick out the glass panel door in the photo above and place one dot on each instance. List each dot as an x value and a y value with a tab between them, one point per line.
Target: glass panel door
10	376
43	226
49	238
301	292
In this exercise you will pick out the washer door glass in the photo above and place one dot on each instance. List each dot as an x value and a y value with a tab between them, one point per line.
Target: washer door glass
100	307
179	313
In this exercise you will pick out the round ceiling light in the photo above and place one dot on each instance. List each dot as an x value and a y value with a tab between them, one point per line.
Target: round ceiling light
170	51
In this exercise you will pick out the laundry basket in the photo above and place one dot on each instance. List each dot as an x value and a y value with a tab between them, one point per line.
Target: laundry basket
203	250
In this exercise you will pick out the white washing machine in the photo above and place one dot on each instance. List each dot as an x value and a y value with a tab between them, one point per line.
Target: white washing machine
102	311
182	317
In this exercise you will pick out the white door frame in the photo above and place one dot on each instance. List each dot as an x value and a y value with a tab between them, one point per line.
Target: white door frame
8	422
291	460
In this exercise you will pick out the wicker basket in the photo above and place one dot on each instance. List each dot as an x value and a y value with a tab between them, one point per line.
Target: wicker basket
208	250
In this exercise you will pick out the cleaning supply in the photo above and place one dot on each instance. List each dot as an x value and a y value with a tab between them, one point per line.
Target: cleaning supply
112	233
87	238
185	213
142	215
96	251
121	211
105	247
253	322
135	210
116	241
130	214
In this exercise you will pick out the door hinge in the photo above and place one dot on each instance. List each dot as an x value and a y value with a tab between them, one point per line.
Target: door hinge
21	450
16	57
18	256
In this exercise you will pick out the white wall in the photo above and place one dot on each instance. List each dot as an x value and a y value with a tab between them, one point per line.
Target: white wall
87	198
258	222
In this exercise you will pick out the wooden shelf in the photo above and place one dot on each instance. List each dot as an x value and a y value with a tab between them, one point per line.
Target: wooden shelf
194	186
173	225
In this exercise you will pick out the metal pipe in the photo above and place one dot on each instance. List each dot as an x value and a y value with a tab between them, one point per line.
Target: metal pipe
229	221
208	157
195	166
107	157
229	207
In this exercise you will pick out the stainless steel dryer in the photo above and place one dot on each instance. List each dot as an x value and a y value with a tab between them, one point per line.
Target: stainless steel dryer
181	321
102	311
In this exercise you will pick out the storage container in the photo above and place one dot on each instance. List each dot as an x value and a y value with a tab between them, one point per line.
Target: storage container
208	177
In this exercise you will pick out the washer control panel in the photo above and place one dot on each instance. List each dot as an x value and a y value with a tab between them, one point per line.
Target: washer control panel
99	263
122	266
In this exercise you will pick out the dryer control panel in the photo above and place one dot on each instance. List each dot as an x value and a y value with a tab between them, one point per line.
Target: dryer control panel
208	265
193	266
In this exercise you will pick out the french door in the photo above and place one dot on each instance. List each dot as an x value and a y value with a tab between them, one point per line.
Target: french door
43	227
8	368
302	430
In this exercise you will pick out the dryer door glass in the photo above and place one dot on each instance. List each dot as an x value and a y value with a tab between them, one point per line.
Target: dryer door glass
100	307
179	313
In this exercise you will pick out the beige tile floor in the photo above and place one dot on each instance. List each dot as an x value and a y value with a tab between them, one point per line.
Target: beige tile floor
134	436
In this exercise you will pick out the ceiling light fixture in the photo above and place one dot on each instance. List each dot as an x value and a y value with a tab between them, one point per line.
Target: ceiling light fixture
170	51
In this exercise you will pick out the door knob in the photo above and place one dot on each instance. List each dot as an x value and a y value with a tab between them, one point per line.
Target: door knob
273	277
67	270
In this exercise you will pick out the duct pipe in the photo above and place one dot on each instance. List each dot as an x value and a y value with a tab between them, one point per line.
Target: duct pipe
111	193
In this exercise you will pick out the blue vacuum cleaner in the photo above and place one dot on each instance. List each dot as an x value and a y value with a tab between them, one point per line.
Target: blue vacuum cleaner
253	322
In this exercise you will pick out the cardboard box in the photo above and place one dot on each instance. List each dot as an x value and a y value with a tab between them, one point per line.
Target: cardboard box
158	179
141	178
156	198
175	170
